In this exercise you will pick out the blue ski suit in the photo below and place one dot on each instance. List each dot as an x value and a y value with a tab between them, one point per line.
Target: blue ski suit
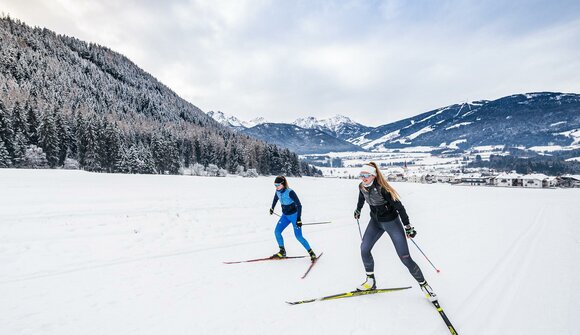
291	212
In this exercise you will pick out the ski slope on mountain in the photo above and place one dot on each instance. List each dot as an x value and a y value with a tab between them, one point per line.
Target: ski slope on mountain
87	253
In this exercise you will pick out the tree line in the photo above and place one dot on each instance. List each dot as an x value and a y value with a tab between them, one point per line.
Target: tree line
50	139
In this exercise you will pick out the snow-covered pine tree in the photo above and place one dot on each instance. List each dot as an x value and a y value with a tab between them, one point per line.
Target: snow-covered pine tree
18	119
80	128
90	144
20	145
6	131
144	159
165	153
49	138
34	157
186	151
20	130
212	170
265	158
32	123
112	141
63	138
5	160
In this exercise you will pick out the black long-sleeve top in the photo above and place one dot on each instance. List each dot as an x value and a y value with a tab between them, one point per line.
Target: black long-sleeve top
383	206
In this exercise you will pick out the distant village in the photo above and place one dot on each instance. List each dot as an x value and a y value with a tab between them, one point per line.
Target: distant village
500	180
475	179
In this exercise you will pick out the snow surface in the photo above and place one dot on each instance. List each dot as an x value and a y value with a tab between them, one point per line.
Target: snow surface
86	253
385	138
458	125
420	132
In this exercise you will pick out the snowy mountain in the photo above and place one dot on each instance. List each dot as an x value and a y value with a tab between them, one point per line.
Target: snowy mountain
254	122
233	122
226	120
522	120
338	126
299	140
533	121
316	137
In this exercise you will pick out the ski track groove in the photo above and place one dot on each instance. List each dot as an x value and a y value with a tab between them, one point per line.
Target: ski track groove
511	268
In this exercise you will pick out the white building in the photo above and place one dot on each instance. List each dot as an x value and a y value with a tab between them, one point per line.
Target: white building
507	180
569	180
551	182
414	178
474	179
533	180
443	178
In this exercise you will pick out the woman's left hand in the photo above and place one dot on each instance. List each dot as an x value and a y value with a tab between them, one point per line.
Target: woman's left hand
410	231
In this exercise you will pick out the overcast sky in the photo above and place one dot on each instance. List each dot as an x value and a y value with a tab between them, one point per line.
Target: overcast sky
374	61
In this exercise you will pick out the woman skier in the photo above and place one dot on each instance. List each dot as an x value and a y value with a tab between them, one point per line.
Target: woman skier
291	213
387	211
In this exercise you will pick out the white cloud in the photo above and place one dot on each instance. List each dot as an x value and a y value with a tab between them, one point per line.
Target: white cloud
376	63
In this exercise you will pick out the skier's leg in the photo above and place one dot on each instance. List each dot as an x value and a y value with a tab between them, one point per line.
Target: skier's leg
397	234
298	231
370	237
282	224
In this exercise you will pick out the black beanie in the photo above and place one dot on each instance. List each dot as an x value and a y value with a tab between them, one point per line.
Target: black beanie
280	180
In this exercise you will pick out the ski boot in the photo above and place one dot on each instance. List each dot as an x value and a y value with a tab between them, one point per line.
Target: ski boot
429	294
369	284
280	254
312	255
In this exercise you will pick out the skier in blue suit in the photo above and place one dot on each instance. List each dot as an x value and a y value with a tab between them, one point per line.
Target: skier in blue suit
291	213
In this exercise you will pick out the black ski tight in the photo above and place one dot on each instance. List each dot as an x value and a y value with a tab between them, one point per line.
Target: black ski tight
395	230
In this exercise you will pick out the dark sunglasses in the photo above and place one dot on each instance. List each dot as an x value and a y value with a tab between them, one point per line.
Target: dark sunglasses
364	175
277	184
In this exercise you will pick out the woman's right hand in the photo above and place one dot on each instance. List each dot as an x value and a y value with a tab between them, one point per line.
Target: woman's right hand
271	211
356	214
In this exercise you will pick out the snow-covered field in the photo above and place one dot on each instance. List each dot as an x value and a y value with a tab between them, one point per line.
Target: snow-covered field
85	253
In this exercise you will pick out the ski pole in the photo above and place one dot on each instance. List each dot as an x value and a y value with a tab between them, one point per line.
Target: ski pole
313	223
424	255
307	223
359	231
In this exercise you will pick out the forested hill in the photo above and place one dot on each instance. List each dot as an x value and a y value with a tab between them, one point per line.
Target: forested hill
64	101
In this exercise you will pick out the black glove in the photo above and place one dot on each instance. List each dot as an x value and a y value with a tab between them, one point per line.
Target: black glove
299	223
410	231
271	211
356	214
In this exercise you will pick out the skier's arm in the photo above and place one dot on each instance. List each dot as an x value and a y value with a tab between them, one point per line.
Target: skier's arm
275	201
361	201
294	197
397	205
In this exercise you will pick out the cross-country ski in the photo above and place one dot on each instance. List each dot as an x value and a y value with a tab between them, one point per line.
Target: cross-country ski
271	258
348	295
313	262
444	317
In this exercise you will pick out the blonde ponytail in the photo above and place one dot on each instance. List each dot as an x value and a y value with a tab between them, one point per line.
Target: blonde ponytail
384	183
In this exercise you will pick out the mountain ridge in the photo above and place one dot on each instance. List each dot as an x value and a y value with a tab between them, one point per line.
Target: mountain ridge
528	120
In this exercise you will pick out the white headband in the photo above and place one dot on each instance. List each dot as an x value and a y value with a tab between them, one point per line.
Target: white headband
370	169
